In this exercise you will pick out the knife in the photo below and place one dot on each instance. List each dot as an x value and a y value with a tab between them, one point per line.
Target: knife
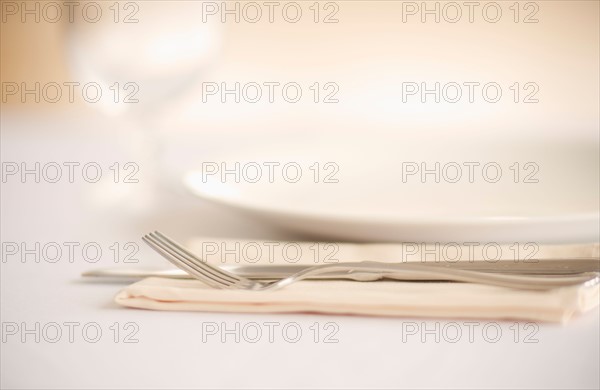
540	267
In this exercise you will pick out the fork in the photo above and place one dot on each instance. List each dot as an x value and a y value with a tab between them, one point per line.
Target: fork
219	278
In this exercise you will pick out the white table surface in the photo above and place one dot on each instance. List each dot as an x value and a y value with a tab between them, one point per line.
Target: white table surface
170	352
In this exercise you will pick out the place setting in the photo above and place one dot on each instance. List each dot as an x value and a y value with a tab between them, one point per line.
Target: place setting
409	242
300	194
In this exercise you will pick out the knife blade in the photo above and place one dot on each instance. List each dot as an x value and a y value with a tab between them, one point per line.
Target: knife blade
277	271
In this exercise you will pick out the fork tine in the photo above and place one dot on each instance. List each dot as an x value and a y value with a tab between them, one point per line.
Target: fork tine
193	258
178	263
185	264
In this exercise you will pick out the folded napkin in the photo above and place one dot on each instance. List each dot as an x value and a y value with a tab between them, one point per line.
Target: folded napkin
383	298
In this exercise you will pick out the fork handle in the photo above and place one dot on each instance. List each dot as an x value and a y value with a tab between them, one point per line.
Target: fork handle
410	271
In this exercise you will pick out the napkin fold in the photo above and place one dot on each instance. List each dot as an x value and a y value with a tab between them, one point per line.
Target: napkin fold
383	298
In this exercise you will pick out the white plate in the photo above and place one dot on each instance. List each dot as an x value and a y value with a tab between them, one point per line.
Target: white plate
372	202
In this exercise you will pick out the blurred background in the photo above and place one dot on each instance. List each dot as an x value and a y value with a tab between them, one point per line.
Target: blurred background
368	53
165	69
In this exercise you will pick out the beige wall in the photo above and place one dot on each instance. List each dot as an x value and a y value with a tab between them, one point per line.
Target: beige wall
31	51
34	51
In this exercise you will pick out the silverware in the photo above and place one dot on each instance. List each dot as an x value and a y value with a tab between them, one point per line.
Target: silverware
220	278
133	273
277	271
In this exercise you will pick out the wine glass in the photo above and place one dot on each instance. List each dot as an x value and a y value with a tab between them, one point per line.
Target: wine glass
143	55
